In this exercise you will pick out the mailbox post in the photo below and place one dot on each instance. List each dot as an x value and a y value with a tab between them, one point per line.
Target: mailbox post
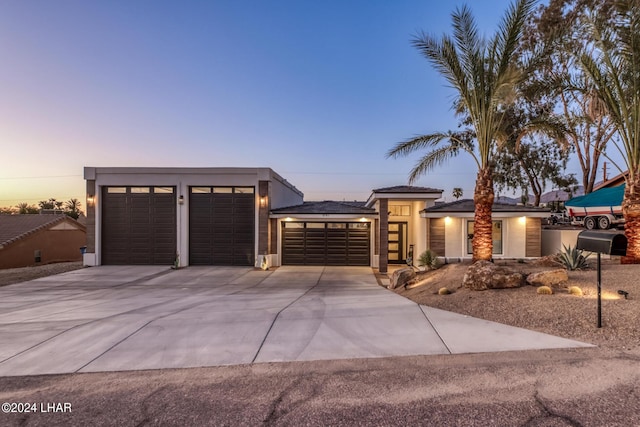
602	242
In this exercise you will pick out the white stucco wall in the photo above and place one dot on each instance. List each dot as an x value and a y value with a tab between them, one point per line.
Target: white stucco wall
552	240
513	237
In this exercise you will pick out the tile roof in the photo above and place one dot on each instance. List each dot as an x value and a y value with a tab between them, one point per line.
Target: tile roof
407	189
326	207
467	205
15	227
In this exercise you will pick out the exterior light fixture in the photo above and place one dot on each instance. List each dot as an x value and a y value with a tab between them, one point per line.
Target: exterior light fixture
263	201
90	199
523	220
447	220
181	200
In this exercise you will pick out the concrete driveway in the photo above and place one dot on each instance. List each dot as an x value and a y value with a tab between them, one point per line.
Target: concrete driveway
128	318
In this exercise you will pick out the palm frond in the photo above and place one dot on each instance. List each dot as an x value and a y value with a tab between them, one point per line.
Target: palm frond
432	159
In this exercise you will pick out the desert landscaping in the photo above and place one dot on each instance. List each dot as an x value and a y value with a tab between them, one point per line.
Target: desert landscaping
561	314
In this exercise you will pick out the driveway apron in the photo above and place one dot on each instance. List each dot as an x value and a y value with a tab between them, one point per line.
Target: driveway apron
130	318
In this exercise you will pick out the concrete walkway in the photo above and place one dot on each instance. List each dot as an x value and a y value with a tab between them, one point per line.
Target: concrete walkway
128	318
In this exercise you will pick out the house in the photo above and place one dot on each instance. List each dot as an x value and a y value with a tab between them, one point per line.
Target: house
240	216
27	240
516	229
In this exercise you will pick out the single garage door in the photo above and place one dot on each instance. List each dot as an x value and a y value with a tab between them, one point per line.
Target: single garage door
221	225
326	243
138	225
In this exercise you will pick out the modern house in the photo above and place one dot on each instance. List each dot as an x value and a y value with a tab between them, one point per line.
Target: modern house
240	216
27	240
517	229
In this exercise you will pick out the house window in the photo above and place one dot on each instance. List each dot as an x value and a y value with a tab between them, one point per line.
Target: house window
400	210
496	234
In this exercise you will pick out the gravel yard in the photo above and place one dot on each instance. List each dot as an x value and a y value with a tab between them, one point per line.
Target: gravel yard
560	314
16	275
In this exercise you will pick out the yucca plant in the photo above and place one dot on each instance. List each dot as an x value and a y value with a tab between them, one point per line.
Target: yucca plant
428	259
572	258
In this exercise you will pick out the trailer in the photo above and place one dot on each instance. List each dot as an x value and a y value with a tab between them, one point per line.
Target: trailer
600	209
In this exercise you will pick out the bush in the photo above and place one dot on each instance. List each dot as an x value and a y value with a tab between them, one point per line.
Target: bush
428	259
574	290
572	258
544	290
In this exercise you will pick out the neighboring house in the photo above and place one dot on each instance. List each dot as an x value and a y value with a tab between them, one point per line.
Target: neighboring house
516	230
27	240
239	216
612	182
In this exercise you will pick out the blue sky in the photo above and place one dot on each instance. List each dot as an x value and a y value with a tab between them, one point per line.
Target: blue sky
316	90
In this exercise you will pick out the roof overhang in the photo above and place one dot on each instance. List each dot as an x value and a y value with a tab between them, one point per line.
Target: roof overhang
494	214
325	216
418	197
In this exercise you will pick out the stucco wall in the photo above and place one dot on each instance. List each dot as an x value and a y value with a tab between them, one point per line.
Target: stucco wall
54	246
552	240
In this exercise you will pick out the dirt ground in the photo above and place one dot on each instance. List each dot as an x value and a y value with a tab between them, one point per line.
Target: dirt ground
559	314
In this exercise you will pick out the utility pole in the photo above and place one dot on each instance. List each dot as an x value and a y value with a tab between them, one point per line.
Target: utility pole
604	172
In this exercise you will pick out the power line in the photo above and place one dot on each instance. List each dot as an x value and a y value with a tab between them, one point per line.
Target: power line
41	177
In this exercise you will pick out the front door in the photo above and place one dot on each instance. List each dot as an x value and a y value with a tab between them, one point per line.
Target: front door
397	242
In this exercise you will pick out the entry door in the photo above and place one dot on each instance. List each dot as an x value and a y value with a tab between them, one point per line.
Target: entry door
397	242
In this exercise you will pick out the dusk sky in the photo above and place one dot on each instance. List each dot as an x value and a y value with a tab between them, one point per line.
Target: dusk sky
316	90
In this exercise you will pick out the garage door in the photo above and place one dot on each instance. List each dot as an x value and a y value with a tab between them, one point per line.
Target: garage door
326	243
138	225
221	225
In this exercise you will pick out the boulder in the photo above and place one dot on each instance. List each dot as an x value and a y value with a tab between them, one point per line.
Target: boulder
483	275
548	261
551	278
401	277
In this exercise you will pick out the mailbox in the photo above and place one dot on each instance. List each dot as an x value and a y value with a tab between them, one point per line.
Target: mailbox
602	242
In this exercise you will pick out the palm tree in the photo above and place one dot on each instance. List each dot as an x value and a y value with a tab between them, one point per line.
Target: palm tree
613	68
72	208
486	76
457	192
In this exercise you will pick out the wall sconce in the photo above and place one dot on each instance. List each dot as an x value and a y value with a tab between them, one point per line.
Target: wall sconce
90	199
263	201
181	200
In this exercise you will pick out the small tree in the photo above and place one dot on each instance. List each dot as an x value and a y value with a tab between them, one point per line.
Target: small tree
25	208
457	192
72	208
50	204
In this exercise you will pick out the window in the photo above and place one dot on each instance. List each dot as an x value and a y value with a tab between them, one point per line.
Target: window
400	210
496	234
120	190
336	225
199	190
163	190
223	189
315	225
244	190
293	224
362	225
139	190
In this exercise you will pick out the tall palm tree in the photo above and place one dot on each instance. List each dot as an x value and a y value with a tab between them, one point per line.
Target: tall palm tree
614	69
486	76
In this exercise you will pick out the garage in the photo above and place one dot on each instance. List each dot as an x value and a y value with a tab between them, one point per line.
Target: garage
138	225
326	243
221	225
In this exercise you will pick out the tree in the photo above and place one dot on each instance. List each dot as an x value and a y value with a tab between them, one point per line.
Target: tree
485	75
613	69
50	204
26	208
562	22
72	208
457	192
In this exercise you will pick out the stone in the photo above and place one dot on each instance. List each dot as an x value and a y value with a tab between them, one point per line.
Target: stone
401	277
547	261
483	275
551	278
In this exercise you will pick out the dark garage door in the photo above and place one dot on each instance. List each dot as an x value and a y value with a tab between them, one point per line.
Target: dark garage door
138	225
325	243
221	225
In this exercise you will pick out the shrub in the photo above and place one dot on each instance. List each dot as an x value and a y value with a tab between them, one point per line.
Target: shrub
444	291
544	290
573	259
574	290
428	259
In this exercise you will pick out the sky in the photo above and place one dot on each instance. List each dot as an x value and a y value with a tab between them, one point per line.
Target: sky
317	90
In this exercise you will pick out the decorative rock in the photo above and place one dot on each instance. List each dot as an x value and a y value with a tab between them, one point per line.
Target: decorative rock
401	277
551	278
484	275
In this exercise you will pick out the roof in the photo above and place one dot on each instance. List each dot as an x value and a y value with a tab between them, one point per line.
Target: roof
326	207
407	189
612	182
467	205
608	196
16	227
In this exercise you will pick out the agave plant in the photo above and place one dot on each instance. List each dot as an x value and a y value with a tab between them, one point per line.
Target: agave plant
573	259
